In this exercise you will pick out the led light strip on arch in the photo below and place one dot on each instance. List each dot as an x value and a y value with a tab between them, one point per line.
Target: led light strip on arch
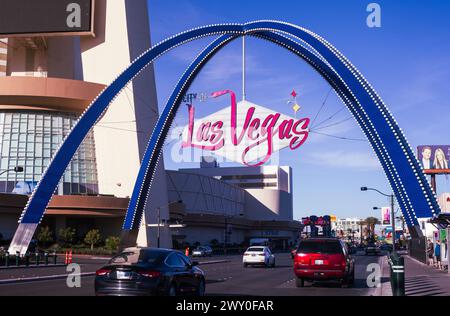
143	183
401	167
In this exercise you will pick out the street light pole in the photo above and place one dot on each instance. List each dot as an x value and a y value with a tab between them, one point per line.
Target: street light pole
393	223
392	197
159	226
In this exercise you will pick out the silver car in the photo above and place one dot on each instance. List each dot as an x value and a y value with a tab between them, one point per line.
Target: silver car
202	251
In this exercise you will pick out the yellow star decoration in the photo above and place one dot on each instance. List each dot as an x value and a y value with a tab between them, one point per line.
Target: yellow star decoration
296	107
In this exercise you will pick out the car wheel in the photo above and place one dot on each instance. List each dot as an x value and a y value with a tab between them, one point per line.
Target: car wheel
172	290
245	265
273	264
201	288
299	282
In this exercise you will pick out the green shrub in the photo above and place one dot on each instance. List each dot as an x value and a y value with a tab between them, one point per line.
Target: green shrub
45	236
92	238
67	235
112	243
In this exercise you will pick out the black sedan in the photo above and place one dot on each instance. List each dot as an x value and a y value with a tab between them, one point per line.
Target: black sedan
150	271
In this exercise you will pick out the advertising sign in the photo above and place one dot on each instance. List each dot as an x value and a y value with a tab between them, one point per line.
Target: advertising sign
434	158
443	235
444	202
244	132
386	216
46	17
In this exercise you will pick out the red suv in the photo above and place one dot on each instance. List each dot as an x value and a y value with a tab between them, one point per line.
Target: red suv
320	259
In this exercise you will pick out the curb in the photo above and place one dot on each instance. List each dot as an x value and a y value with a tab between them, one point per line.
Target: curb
43	278
385	288
213	262
95	257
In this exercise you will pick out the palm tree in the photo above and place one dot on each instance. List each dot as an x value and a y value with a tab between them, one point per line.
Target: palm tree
361	224
371	222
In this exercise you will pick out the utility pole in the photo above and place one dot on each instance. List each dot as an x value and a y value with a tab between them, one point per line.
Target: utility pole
392	197
360	231
159	226
393	222
243	69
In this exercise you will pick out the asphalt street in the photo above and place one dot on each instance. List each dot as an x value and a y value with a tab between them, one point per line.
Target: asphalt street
229	278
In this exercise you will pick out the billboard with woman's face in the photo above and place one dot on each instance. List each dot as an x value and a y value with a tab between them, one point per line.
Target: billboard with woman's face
386	216
434	157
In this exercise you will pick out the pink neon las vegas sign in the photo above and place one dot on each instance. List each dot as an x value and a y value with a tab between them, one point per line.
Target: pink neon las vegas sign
244	132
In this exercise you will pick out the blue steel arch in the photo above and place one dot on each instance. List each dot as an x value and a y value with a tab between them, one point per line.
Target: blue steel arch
380	143
402	169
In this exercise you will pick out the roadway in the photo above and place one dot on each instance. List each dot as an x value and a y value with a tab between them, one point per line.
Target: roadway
229	278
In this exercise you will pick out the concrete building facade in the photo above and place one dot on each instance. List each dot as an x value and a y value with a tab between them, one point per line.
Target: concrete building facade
47	81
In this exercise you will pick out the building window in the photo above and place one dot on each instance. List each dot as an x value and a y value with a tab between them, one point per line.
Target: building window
249	177
30	139
256	185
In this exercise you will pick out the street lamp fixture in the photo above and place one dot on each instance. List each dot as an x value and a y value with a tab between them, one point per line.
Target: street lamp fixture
16	169
392	197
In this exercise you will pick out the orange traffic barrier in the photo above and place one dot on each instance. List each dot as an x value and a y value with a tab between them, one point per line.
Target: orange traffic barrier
187	251
70	257
66	259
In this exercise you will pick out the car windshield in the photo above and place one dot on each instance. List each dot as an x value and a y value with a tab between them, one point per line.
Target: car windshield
328	247
255	249
138	257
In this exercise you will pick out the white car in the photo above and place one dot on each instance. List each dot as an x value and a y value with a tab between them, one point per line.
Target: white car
258	255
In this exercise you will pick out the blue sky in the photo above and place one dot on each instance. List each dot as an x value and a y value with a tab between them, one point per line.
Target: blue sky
406	61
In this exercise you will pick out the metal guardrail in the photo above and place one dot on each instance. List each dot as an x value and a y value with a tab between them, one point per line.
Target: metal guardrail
16	260
417	248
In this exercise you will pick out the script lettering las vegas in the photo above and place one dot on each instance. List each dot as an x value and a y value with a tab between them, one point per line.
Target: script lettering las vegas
244	132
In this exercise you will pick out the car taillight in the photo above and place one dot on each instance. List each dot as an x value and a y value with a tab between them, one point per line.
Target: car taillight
246	254
150	274
102	272
302	258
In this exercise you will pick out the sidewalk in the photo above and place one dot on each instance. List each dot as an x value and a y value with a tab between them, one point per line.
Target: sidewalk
422	280
385	286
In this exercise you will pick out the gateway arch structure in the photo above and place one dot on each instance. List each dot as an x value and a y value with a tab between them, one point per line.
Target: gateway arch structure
403	171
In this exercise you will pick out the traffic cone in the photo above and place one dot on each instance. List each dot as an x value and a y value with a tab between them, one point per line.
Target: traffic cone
187	252
70	256
66	259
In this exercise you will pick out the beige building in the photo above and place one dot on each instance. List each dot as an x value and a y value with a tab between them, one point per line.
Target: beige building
47	81
3	56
